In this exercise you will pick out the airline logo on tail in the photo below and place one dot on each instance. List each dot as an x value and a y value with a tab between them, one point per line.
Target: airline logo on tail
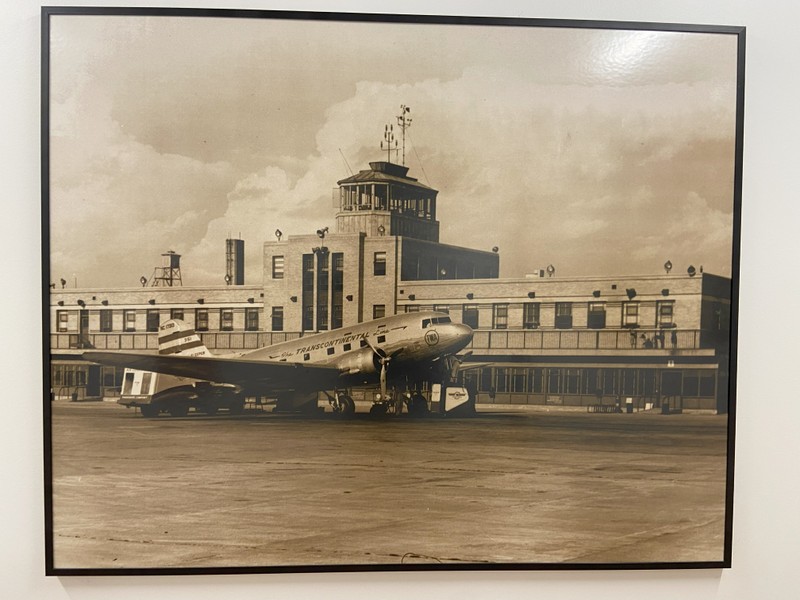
176	337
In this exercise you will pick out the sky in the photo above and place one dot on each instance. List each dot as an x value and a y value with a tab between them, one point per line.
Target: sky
600	152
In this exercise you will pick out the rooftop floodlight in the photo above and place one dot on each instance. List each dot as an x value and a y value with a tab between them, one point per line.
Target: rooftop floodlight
631	293
665	292
495	249
201	300
596	293
293	298
81	303
251	300
321	232
227	279
63	283
278	234
551	270
412	297
381	229
668	266
470	295
349	297
151	301
143	280
531	294
691	271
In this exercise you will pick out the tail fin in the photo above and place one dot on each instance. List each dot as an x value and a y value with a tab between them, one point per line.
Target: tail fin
176	337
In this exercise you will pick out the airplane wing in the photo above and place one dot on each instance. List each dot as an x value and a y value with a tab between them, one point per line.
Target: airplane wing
246	373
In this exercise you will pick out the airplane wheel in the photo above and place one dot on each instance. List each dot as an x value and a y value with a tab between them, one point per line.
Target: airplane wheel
346	405
179	410
149	411
236	407
377	410
418	406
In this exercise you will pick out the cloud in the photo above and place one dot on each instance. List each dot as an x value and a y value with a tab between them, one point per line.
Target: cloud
595	176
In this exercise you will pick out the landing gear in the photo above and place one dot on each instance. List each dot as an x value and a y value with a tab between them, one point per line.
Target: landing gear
343	405
149	411
377	410
417	405
178	409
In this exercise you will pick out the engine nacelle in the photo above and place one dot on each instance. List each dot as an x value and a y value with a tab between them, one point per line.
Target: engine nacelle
362	361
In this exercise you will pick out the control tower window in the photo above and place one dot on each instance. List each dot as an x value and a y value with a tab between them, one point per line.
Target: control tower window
379	263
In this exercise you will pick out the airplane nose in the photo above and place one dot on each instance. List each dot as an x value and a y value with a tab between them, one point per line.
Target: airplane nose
464	332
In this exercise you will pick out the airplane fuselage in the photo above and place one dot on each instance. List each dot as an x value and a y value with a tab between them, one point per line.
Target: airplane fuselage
413	340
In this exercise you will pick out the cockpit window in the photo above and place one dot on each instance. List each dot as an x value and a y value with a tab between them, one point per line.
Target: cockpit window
434	321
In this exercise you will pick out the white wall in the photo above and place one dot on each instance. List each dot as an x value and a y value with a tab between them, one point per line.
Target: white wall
766	519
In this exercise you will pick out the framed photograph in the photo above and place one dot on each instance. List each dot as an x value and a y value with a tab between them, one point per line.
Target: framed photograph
346	292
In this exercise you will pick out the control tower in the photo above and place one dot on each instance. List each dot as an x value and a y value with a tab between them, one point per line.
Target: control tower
384	201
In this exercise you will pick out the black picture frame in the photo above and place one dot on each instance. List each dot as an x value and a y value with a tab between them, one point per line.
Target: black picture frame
725	348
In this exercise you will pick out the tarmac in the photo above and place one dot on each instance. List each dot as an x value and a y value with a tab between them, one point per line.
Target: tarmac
510	485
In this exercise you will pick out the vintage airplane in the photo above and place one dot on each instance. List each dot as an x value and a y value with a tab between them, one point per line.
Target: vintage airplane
398	353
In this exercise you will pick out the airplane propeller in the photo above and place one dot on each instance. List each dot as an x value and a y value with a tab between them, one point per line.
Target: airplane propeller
384	359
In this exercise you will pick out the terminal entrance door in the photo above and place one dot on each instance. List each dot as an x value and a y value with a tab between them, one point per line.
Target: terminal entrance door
93	381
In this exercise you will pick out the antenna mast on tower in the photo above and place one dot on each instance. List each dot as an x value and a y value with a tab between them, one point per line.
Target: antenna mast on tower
388	135
404	122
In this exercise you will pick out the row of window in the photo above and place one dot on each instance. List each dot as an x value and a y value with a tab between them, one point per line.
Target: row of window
531	314
378	264
153	319
641	382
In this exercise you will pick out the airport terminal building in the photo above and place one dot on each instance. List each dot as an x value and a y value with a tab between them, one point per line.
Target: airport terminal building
654	341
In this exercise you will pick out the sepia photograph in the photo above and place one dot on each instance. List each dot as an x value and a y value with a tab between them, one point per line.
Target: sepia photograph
352	292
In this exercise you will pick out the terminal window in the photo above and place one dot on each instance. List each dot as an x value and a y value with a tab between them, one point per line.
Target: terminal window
105	320
378	311
379	263
500	316
597	315
251	319
469	316
176	313
563	315
226	319
630	314
664	313
277	318
62	320
530	315
201	319
277	267
153	320
129	318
